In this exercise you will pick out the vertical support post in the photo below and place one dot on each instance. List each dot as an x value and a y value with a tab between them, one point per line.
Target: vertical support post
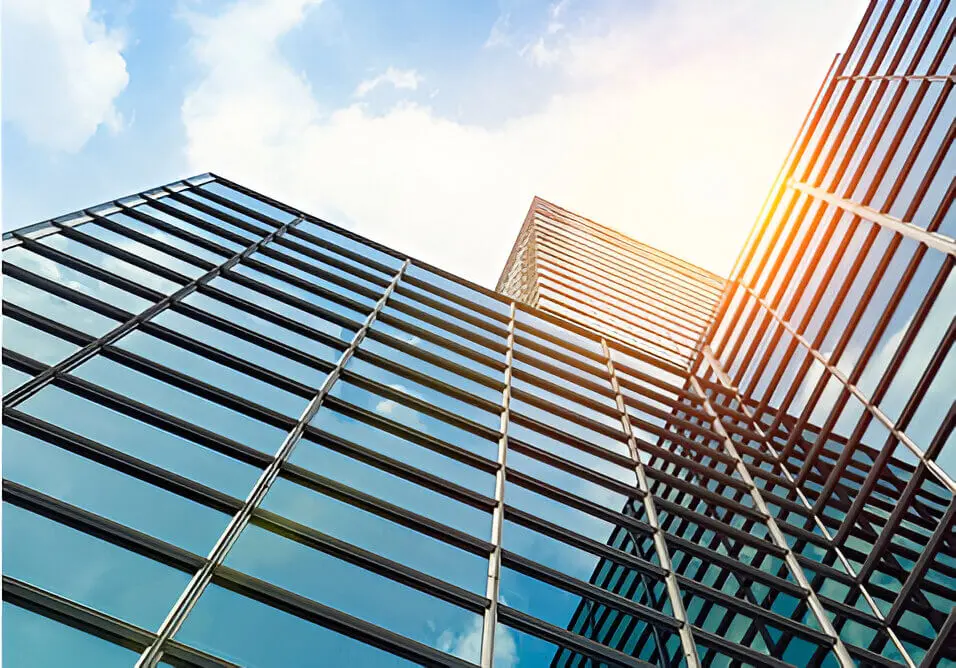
498	516
660	545
843	656
708	356
195	587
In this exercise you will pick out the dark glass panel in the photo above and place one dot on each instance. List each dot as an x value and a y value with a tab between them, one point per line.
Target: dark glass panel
31	640
90	571
105	491
119	431
348	588
180	403
253	634
370	532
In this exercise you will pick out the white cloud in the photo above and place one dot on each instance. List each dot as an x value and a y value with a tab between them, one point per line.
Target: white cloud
401	79
62	72
555	12
540	54
467	644
500	32
671	129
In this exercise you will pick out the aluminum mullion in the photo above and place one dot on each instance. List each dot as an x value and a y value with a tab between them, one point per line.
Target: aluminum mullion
33	385
217	555
30	597
569	640
714	363
777	536
870	406
490	621
660	545
898	77
932	239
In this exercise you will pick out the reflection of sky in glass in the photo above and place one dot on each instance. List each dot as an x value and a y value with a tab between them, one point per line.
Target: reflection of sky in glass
376	534
364	434
107	492
33	640
392	410
346	587
90	571
180	403
254	634
154	445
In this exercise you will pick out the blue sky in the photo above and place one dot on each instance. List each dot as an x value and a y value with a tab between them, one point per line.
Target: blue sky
427	125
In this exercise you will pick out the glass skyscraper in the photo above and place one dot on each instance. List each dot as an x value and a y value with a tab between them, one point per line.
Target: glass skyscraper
235	434
573	267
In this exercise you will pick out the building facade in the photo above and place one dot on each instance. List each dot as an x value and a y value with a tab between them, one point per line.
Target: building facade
235	434
573	267
836	331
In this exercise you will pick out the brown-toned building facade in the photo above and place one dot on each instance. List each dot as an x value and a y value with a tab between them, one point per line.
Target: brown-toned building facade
578	269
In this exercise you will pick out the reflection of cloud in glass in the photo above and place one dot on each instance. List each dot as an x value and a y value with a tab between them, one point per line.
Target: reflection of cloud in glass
398	411
466	644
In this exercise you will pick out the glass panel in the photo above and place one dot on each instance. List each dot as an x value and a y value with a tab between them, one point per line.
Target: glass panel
468	294
563	557
217	221
88	570
534	322
449	316
532	355
436	398
436	349
346	587
606	399
391	488
35	343
247	201
348	291
348	243
414	419
175	221
370	532
74	280
121	432
121	267
235	628
446	334
586	616
34	641
244	349
565	481
282	308
498	324
562	515
114	376
264	327
293	243
367	435
13	378
213	373
551	419
931	333
439	373
311	297
192	197
571	453
165	237
104	491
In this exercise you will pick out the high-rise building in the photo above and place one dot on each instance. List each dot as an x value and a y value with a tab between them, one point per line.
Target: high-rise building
235	434
573	267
